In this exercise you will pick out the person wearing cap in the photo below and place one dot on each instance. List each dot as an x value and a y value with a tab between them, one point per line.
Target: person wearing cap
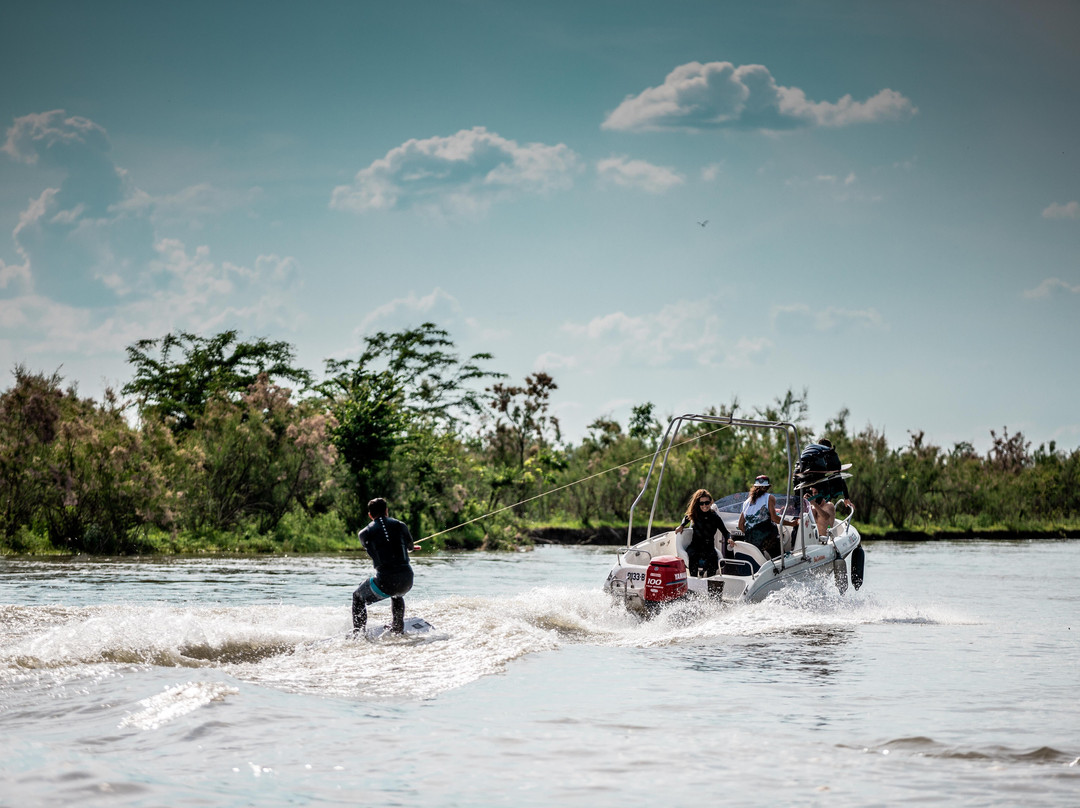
759	519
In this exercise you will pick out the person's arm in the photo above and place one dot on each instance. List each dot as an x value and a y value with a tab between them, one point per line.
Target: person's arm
728	543
682	525
720	519
407	542
772	510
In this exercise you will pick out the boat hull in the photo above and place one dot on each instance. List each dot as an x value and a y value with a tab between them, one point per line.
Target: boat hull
626	579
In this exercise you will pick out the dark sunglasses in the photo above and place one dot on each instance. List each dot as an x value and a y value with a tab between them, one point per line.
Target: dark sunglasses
704	502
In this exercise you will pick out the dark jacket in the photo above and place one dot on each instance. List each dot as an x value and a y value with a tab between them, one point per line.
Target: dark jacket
705	527
388	542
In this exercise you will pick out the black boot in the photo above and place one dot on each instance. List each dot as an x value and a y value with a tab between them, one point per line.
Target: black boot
397	609
359	613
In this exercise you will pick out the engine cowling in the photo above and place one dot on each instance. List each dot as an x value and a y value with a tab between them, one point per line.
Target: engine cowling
665	579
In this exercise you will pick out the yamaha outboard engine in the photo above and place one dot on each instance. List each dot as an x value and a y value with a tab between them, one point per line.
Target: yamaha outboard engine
665	580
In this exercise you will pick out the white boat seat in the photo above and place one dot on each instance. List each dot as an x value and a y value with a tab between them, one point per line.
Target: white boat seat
637	557
746	548
682	541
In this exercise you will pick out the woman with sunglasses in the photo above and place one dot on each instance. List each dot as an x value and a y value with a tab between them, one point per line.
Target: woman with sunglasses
706	521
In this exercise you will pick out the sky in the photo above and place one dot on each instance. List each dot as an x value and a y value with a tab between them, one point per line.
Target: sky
685	203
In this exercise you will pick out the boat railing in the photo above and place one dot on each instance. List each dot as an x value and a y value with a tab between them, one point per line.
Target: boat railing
667	442
741	563
846	521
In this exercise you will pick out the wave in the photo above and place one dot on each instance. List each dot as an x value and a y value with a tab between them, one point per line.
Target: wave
175	702
307	649
927	747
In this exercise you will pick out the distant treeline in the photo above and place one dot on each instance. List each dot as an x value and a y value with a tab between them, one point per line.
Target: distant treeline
220	444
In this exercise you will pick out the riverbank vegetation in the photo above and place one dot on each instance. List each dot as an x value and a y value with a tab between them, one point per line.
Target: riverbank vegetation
217	444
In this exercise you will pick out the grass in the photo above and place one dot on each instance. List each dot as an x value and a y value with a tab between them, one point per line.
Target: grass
299	534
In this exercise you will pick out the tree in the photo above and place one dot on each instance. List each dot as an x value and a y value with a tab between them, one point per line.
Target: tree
256	458
30	414
522	420
395	406
176	390
643	424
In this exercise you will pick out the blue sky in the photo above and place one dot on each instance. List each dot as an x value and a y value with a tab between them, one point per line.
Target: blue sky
892	196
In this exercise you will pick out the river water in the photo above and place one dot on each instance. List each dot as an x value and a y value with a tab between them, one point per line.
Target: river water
950	678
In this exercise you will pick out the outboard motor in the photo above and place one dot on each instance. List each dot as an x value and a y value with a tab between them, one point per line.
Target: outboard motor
665	580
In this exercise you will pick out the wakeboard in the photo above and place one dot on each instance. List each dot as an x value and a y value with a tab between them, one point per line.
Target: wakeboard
414	626
836	475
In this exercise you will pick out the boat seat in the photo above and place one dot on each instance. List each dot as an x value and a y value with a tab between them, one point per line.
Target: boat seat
747	560
682	541
746	548
638	557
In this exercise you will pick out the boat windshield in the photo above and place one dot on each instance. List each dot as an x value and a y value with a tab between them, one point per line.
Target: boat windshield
733	503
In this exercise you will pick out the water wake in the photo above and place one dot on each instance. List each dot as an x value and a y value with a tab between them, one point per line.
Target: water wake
994	753
308	649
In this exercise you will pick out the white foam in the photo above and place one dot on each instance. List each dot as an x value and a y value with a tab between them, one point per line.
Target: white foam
176	702
286	647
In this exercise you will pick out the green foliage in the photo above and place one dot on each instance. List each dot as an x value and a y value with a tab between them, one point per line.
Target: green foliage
643	425
398	409
225	459
30	413
521	421
73	469
176	390
256	459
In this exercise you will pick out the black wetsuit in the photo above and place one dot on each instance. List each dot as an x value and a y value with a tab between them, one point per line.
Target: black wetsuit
388	542
702	550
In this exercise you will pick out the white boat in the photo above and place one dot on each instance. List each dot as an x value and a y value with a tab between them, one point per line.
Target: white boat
653	571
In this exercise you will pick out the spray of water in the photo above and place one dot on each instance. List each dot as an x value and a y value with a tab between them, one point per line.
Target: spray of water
308	649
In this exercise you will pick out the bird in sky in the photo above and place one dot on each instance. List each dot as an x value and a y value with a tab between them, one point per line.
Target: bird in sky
704	223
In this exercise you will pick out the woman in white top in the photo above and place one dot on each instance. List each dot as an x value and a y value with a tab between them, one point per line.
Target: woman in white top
759	519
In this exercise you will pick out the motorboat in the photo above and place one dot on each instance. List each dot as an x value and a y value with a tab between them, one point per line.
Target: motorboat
653	572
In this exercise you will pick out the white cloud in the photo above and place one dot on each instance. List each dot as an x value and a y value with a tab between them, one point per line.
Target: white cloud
832	179
462	174
1049	287
14	273
831	318
684	333
715	95
91	244
195	293
552	361
410	304
190	206
626	173
711	172
51	135
747	350
1070	210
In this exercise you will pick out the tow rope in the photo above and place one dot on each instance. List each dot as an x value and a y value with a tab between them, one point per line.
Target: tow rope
571	484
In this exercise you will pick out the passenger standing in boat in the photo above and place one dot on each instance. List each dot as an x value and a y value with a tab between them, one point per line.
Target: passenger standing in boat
706	520
388	542
759	519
